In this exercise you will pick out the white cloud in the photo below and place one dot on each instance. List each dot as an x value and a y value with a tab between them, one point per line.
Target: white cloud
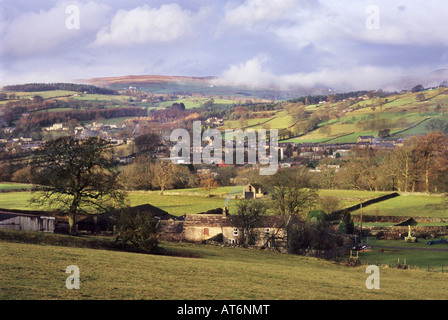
249	73
304	42
411	24
146	24
253	73
255	11
45	31
355	78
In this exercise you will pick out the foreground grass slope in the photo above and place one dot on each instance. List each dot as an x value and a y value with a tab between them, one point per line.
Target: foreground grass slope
29	271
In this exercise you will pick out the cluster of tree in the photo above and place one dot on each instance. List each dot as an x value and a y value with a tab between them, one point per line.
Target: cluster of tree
421	164
417	88
16	109
145	173
435	125
375	124
217	111
336	97
293	198
258	107
12	171
178	106
307	100
147	142
36	87
169	114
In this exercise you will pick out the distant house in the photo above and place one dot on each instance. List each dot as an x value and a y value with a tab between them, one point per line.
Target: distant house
366	139
27	222
253	191
55	127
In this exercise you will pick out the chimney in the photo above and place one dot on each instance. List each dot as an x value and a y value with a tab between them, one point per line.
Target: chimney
225	211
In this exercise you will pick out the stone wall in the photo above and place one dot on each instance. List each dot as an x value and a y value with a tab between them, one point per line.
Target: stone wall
396	233
398	219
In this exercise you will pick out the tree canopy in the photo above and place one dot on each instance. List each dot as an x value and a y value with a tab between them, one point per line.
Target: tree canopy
74	176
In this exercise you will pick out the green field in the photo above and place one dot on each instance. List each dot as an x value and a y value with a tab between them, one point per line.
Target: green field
193	102
196	200
409	206
174	204
6	186
29	271
417	255
343	128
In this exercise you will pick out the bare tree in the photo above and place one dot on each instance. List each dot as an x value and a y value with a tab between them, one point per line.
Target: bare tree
293	192
208	183
164	175
248	213
74	176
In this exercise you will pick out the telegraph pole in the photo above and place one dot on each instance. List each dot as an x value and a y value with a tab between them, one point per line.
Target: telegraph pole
360	236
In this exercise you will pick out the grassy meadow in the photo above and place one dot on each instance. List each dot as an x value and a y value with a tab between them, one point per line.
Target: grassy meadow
430	206
196	200
434	257
37	271
174	202
30	271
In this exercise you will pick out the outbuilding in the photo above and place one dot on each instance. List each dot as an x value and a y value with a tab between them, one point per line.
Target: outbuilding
28	222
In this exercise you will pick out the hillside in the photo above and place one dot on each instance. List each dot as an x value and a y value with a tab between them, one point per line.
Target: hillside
199	86
147	79
30	271
330	120
403	114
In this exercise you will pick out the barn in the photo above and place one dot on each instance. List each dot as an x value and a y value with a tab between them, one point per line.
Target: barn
97	223
253	191
28	222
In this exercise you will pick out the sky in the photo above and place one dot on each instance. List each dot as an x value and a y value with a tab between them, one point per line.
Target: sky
285	43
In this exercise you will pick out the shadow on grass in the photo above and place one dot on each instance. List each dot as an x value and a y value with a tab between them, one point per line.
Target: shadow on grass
87	242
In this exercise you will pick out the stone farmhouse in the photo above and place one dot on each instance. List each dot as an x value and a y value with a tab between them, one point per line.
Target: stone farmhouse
220	227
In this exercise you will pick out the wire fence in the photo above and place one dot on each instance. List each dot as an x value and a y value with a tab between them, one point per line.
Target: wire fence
402	263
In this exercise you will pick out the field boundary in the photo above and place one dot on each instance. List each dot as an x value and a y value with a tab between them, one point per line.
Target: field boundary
368	203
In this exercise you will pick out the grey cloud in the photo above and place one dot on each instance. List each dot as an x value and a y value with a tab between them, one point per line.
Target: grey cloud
288	42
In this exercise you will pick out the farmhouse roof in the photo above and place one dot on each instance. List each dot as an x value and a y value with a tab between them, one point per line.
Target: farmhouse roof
152	210
214	220
4	215
255	185
106	219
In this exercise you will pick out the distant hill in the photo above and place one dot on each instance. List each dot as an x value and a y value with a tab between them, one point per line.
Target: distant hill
37	87
428	80
140	79
205	86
